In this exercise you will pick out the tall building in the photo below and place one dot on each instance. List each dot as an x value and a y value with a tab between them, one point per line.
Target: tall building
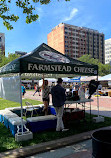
2	43
76	41
107	51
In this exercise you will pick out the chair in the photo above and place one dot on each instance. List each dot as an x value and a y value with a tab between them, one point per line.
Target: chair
30	108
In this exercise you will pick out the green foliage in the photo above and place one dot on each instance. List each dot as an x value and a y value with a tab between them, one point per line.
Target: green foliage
27	6
103	69
4	60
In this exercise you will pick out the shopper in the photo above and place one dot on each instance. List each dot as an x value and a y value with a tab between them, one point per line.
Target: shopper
45	95
37	89
58	100
76	88
23	90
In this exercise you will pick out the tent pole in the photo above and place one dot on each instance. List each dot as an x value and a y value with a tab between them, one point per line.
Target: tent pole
43	76
97	98
21	104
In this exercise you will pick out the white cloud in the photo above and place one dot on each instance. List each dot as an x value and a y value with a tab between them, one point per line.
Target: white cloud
72	14
39	11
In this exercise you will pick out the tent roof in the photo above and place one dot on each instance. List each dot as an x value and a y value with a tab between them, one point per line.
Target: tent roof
45	59
105	78
89	78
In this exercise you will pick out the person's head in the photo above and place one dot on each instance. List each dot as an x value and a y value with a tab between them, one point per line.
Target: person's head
59	81
45	82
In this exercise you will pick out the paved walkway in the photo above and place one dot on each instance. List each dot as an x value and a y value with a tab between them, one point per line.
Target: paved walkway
104	103
79	150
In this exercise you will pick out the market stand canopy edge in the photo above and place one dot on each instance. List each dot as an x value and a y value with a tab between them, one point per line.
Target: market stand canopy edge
45	59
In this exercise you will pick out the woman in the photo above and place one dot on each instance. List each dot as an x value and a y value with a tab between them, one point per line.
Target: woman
45	96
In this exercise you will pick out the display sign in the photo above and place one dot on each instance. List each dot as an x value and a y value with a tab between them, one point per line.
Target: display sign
61	69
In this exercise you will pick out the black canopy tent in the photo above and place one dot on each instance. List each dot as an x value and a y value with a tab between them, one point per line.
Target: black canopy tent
45	59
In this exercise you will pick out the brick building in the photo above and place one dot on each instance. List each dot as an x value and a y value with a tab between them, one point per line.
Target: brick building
76	41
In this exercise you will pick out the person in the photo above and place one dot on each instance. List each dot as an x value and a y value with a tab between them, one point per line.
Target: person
37	89
81	91
23	90
99	87
45	96
87	92
29	86
58	100
76	88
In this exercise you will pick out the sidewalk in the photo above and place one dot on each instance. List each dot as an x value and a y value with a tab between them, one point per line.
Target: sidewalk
43	147
78	150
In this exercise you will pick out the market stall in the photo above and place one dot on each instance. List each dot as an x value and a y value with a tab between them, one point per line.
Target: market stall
46	60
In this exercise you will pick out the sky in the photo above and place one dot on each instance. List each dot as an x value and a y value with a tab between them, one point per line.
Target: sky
94	14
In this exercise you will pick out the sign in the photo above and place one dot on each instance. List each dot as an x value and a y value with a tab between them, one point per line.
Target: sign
64	69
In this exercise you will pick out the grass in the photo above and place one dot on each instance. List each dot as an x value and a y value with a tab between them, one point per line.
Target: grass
7	141
6	103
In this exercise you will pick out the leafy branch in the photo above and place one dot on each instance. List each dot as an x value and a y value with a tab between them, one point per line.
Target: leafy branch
27	7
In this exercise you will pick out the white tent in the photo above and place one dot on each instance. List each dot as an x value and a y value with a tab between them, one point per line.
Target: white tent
105	78
50	81
88	78
66	79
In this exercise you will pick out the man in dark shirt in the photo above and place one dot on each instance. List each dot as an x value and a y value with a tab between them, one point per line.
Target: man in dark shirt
58	100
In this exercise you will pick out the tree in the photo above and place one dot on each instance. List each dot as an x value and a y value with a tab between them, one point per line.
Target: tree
103	69
5	60
27	6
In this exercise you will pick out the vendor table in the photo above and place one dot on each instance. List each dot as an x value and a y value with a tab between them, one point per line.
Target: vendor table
80	102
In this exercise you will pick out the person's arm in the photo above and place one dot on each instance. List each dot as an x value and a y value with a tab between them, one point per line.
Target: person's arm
43	83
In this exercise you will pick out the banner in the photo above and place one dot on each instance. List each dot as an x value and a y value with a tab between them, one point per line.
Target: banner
61	69
10	88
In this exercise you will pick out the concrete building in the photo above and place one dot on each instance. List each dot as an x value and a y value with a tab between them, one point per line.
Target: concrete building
20	53
2	43
76	41
107	51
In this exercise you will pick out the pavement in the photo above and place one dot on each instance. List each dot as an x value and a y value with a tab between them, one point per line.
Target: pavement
104	103
78	150
64	142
